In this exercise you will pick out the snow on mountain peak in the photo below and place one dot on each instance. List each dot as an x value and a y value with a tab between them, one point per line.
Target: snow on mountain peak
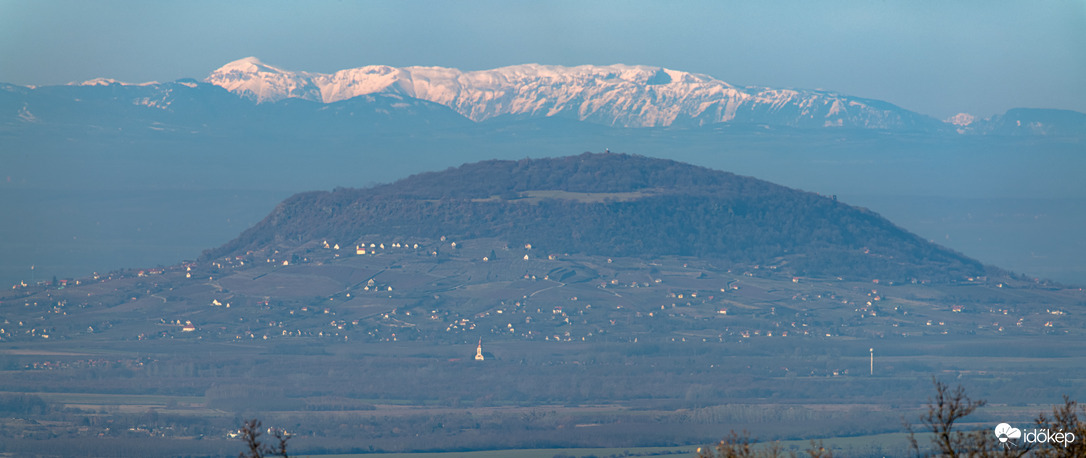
961	119
261	82
108	82
249	64
618	95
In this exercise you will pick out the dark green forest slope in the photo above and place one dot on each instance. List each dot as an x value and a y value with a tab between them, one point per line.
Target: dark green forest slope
617	205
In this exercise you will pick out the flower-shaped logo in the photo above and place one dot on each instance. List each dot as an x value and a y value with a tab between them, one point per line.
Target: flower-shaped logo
1005	432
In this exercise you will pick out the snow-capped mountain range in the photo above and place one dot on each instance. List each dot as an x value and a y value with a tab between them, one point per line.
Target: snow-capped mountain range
615	95
248	94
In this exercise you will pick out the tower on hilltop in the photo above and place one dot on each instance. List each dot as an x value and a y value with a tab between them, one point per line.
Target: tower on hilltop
479	351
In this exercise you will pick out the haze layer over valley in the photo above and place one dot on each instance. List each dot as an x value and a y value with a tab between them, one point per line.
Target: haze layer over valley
1005	190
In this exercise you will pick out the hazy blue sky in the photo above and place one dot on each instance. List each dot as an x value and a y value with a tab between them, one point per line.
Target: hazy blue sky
935	57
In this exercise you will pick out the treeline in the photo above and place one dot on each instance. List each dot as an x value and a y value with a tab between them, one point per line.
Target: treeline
22	404
685	211
586	173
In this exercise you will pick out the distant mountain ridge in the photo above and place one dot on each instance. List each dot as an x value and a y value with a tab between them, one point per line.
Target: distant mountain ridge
1025	122
615	95
615	205
251	95
189	106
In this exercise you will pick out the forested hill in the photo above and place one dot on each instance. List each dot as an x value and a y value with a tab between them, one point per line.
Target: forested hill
616	205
